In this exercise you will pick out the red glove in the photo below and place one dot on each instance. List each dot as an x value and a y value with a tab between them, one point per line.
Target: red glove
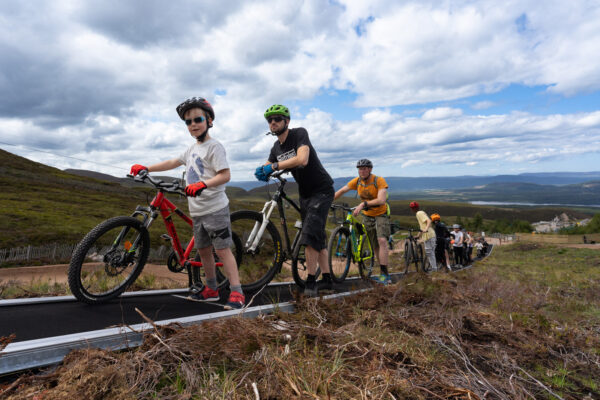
195	189
136	168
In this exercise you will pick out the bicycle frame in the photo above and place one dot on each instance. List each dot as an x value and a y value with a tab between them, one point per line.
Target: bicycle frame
160	204
276	201
357	241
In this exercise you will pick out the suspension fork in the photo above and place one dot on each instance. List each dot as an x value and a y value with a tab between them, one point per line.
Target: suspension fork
148	216
259	229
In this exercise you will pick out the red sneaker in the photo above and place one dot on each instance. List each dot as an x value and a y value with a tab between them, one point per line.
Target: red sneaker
236	301
207	294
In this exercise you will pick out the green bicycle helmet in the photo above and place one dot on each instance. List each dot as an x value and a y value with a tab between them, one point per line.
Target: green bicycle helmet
277	109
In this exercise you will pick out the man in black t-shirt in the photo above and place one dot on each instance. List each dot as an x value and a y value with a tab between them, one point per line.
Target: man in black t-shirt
293	151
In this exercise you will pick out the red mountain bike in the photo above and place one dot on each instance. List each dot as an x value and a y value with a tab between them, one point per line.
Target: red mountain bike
112	255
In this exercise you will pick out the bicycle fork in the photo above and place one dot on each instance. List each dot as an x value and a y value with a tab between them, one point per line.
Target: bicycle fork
131	248
259	229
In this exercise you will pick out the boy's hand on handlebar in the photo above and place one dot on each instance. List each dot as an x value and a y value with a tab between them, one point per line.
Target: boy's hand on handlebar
136	168
195	189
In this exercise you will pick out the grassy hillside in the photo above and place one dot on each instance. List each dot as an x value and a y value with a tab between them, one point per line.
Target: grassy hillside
41	204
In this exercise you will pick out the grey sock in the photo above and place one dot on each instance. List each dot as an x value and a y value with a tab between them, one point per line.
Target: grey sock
212	283
236	288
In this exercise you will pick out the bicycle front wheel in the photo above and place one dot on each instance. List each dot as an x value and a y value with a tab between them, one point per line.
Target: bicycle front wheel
418	259
367	258
339	251
257	266
108	259
408	256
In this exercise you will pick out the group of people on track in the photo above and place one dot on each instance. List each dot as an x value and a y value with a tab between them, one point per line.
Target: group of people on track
207	172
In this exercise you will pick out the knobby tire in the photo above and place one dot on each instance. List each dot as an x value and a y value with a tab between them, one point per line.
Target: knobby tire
365	268
299	267
339	249
89	272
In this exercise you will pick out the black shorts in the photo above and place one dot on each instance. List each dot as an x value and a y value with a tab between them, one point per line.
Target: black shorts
314	211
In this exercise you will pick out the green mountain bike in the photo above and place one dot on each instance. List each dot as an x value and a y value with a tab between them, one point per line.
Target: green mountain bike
349	243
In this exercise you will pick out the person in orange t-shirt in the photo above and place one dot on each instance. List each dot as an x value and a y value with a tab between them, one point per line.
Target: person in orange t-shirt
372	190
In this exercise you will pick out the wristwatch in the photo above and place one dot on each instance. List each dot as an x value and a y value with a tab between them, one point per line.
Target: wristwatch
275	166
365	205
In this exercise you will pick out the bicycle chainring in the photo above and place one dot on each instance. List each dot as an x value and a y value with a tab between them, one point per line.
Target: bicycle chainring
173	263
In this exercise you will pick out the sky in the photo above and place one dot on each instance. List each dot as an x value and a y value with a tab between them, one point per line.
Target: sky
422	88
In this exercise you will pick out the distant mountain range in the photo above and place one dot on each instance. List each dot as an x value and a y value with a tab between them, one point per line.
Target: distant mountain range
582	188
400	184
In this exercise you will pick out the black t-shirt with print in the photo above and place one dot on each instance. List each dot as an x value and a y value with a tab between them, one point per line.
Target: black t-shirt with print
312	178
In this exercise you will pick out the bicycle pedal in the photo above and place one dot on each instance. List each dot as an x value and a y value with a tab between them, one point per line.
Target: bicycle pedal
166	237
196	289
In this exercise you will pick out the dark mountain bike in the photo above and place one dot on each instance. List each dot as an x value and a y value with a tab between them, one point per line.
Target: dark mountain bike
262	245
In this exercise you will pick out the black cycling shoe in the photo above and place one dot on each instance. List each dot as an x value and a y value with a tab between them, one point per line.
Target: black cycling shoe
325	285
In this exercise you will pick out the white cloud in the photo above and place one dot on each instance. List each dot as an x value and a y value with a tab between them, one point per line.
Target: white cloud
100	80
441	113
482	105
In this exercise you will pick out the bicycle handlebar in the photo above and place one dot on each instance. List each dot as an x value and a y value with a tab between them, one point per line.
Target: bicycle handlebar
169	187
277	174
342	207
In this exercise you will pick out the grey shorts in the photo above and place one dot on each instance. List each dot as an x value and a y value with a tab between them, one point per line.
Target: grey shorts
377	227
213	229
314	211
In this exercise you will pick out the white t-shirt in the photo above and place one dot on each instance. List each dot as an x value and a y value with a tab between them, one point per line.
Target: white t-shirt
457	237
202	161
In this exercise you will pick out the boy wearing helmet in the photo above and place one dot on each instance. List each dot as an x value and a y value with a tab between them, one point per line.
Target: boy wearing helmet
427	233
372	190
293	151
442	235
207	172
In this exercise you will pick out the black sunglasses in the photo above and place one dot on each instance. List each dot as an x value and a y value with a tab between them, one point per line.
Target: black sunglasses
197	120
278	118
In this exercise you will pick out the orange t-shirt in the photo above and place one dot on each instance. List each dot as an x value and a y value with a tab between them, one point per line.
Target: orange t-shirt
367	191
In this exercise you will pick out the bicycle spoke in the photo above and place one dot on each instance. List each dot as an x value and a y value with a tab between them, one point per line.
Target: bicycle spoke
108	259
258	264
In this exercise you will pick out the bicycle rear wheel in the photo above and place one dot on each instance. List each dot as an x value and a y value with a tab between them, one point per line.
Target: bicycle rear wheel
299	266
222	281
108	259
367	262
256	267
339	251
426	264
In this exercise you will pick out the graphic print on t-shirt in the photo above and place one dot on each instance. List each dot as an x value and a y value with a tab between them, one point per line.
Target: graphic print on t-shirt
287	155
195	170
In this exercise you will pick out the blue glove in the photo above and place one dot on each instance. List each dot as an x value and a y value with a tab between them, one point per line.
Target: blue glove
259	174
268	170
